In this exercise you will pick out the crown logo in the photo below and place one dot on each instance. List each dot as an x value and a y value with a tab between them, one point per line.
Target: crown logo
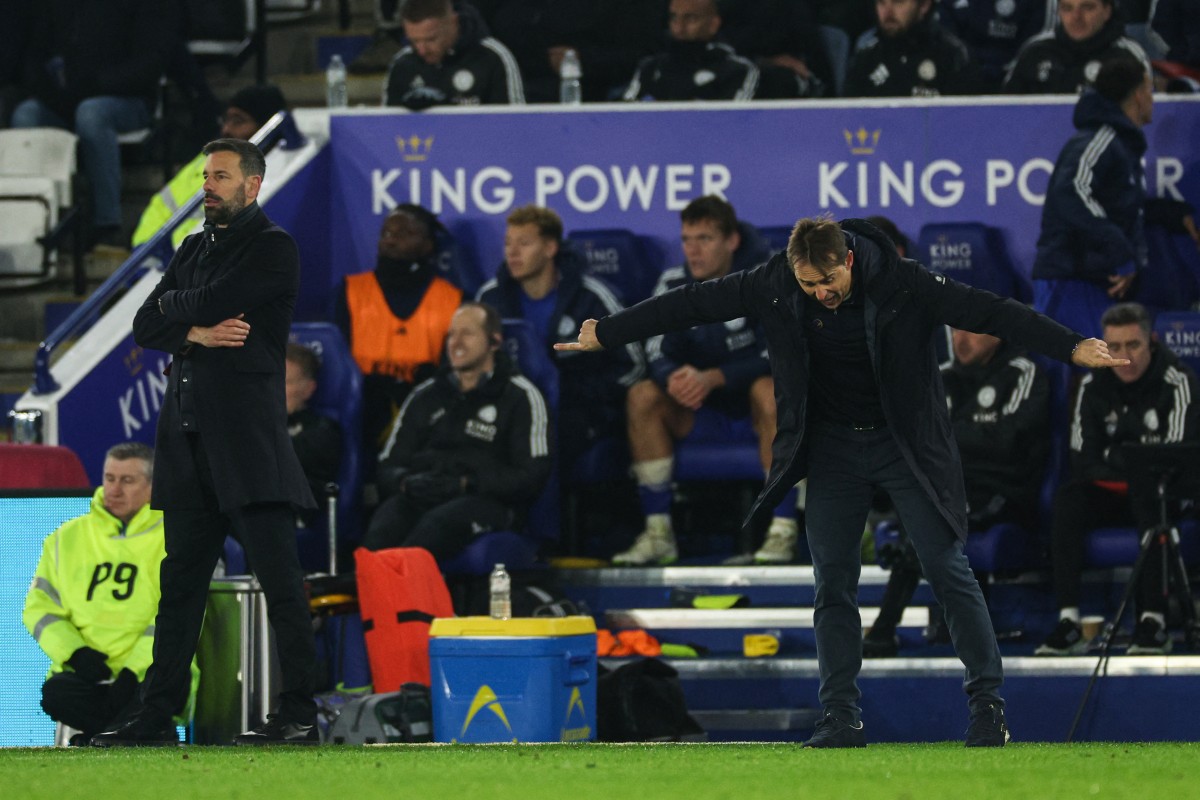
414	148
862	142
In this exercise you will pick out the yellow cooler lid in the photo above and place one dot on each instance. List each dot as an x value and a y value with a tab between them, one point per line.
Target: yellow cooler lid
518	626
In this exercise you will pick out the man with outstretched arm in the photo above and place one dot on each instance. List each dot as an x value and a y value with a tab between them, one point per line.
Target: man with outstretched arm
860	407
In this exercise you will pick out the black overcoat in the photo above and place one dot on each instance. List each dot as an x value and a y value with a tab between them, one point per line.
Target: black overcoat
237	403
904	305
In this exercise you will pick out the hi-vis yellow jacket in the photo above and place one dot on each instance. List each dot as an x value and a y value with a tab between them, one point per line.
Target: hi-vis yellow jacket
186	183
96	585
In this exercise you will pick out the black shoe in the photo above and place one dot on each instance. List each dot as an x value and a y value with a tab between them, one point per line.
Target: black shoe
278	731
832	732
1149	639
987	727
145	729
877	645
1065	640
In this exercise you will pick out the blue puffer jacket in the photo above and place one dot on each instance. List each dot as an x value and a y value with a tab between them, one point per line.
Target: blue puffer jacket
1093	220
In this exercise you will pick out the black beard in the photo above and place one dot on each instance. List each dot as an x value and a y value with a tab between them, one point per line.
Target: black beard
224	213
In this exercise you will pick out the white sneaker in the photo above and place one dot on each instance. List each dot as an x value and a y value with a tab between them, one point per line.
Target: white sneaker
779	547
652	547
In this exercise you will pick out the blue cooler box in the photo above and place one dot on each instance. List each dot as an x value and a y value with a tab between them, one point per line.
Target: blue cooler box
513	680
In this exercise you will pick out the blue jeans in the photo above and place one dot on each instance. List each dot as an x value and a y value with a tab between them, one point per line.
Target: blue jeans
845	466
98	120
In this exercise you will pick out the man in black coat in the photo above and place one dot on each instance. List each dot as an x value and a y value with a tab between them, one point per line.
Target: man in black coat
224	460
860	407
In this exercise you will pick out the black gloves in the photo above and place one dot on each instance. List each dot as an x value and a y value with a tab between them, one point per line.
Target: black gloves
90	665
431	489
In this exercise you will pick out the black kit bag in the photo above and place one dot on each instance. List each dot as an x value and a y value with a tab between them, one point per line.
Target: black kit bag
642	701
390	717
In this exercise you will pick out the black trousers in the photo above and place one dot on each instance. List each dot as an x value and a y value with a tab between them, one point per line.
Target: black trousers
443	530
86	706
1082	506
195	538
845	467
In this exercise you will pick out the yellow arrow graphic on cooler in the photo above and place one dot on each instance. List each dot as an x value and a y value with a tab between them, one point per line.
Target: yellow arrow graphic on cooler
484	698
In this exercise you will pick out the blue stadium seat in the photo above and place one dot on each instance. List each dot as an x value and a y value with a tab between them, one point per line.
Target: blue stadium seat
974	254
1169	281
1179	331
777	236
339	397
455	262
1118	547
518	550
622	259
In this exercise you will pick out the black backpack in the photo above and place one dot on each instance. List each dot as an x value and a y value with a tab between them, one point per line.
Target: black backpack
642	701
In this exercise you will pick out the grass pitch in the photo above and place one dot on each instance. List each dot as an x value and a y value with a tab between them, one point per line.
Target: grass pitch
607	772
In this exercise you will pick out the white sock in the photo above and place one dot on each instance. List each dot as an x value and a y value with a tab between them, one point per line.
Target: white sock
1071	613
659	523
655	473
784	525
1161	619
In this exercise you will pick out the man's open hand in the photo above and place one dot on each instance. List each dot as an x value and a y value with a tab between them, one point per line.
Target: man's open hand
587	338
1094	353
230	333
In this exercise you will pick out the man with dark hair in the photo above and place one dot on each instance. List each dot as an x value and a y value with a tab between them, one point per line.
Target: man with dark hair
999	404
1150	401
94	595
849	328
395	317
911	56
248	110
695	66
470	450
450	60
545	283
224	461
1068	58
1093	243
317	439
708	383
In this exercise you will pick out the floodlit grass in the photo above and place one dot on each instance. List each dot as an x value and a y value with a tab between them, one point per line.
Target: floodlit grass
611	772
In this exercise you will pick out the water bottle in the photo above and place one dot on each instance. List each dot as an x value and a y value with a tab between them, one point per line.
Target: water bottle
500	586
570	93
335	83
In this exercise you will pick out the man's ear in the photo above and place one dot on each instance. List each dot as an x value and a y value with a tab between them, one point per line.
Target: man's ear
850	259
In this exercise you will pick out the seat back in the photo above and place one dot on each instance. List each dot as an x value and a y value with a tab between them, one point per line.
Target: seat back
43	153
41	466
622	259
974	254
1179	331
777	236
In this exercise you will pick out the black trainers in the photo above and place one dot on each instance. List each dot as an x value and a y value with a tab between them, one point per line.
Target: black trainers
832	732
879	645
1066	640
278	731
987	727
1149	639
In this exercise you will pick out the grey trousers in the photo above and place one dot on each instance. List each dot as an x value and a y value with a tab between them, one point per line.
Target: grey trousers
845	466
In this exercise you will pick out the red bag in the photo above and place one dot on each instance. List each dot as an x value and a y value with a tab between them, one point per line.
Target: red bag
400	591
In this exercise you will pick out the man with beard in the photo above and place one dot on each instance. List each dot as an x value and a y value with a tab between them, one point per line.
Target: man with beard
395	318
911	55
695	66
223	461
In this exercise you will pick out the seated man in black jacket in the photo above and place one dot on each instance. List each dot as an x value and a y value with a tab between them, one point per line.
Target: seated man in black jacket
469	451
912	55
1149	401
695	66
450	60
317	439
999	404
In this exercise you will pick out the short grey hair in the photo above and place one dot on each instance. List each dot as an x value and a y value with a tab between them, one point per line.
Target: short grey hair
127	450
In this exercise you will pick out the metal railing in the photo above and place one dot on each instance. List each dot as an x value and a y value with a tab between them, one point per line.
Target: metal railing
280	131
